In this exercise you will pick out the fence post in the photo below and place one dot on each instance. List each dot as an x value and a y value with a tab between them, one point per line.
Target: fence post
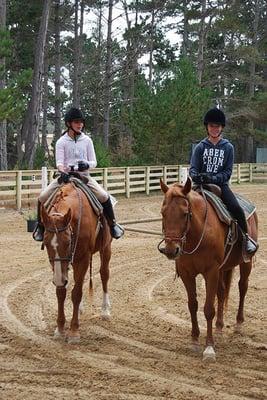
44	177
250	173
165	174
238	173
182	174
18	189
127	182
147	180
51	173
105	178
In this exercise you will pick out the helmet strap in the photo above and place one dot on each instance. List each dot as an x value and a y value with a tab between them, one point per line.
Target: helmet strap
76	133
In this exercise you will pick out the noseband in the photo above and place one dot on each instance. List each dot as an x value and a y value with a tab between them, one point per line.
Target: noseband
57	230
182	239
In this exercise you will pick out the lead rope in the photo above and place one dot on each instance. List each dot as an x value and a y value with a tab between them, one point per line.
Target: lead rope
79	223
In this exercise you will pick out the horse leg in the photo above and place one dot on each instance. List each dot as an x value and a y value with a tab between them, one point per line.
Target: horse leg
190	285
245	269
79	271
220	307
61	296
105	255
211	279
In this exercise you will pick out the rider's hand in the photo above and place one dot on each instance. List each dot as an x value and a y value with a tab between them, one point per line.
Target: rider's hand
207	178
83	166
197	179
64	177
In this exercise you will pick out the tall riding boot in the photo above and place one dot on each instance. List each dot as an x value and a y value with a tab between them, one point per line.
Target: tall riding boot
250	245
38	233
116	230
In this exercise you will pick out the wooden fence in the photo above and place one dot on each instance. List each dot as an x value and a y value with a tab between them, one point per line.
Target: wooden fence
21	188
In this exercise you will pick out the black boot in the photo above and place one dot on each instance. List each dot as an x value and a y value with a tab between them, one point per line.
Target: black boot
116	230
38	233
250	245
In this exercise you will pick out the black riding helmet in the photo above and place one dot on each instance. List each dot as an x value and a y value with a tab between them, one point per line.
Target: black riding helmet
214	116
74	114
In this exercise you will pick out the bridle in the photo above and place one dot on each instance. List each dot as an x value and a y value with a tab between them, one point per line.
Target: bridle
183	238
57	230
73	241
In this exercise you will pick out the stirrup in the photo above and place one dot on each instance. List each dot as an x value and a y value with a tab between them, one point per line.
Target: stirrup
250	245
116	231
38	233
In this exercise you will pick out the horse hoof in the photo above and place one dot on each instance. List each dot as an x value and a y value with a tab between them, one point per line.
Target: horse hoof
106	315
238	328
59	335
73	339
219	331
209	354
196	347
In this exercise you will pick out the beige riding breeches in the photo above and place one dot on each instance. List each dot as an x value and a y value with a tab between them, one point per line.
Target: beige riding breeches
98	191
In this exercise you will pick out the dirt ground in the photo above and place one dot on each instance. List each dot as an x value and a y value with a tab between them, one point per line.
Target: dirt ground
143	352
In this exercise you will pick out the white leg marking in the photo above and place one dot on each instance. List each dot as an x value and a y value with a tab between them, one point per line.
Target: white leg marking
105	310
59	335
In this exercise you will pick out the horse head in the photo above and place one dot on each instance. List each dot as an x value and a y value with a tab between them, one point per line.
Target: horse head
58	239
176	216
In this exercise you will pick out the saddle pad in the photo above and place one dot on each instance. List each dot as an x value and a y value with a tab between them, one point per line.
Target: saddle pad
223	213
248	207
95	203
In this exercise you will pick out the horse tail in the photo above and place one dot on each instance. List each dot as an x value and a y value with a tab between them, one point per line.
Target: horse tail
91	289
227	278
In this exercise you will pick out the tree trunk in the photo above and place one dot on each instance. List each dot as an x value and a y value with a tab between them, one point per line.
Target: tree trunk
250	138
108	76
45	104
57	73
3	125
200	57
96	102
30	129
185	41
78	32
151	47
254	44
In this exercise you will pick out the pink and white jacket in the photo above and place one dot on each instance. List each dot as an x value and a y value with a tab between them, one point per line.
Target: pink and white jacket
69	151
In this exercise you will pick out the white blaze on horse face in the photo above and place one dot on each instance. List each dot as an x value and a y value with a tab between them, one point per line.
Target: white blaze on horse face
58	278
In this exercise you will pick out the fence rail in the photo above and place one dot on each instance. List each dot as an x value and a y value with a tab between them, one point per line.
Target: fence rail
21	188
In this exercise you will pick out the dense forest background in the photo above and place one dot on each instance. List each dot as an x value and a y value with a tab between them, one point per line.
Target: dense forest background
144	72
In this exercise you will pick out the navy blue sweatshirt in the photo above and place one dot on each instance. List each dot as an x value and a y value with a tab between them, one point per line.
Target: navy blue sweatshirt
216	160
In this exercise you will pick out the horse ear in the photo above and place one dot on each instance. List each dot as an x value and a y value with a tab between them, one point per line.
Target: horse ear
163	186
188	186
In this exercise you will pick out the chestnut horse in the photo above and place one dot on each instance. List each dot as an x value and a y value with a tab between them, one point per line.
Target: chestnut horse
195	238
72	235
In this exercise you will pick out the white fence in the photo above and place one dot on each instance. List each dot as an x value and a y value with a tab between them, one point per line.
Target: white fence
21	188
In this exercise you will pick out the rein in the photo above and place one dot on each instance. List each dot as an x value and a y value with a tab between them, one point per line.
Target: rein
182	239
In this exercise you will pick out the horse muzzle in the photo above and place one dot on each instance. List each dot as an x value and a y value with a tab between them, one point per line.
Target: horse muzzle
171	251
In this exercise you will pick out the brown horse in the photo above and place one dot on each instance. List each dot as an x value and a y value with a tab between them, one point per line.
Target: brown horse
72	235
195	238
